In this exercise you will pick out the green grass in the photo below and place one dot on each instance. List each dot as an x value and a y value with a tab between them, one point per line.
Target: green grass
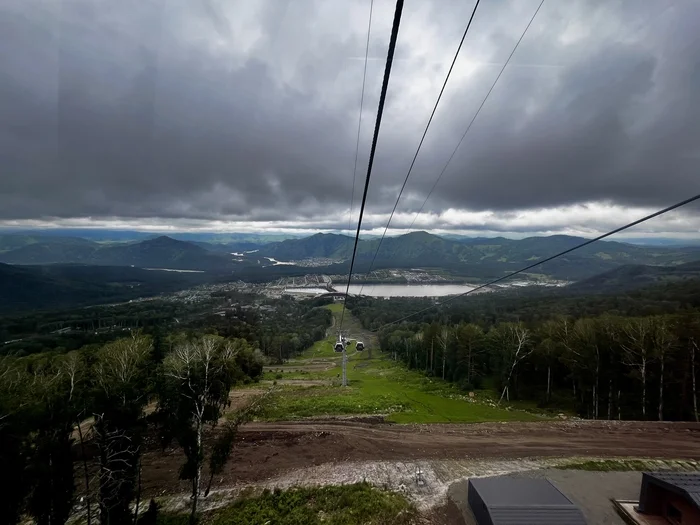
336	308
336	505
322	348
380	386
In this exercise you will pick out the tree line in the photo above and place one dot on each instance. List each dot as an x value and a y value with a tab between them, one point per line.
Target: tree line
532	304
281	328
604	367
74	426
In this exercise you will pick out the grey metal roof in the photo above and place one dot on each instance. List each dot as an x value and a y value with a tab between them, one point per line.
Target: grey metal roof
684	483
521	501
537	515
518	491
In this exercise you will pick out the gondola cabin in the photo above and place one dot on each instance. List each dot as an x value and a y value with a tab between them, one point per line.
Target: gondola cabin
339	347
360	346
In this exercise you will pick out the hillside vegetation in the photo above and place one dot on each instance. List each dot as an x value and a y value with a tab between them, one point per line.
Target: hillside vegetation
65	286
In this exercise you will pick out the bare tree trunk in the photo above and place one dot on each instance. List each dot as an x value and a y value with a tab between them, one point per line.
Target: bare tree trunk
444	357
505	388
87	474
595	404
619	407
661	390
138	494
197	476
644	388
211	480
469	364
695	396
549	382
596	390
432	356
610	396
427	357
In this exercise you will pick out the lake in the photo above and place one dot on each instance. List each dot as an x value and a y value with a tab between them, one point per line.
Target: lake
314	291
410	290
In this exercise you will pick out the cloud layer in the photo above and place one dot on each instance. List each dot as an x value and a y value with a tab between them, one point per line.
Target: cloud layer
242	115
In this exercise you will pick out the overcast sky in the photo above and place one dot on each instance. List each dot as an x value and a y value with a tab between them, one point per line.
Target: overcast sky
242	115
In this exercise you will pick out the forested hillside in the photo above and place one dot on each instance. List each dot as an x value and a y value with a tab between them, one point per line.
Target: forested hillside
483	257
608	356
63	286
77	415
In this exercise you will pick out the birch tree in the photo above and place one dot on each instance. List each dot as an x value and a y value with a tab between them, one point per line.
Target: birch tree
444	338
587	350
664	341
470	339
634	342
198	377
548	349
512	340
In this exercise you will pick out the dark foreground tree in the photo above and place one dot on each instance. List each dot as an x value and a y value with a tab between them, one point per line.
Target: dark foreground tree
120	396
14	445
55	390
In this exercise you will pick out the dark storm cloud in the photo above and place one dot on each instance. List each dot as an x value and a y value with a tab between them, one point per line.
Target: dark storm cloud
247	111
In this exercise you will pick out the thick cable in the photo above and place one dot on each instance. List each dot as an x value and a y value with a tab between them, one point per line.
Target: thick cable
420	144
377	125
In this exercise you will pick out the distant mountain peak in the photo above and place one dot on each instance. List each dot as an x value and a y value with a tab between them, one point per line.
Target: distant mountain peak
321	235
164	240
421	235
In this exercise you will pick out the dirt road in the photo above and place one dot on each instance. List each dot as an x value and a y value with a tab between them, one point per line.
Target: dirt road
266	450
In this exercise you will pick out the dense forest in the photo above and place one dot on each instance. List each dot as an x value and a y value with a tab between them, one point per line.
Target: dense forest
615	357
74	424
270	324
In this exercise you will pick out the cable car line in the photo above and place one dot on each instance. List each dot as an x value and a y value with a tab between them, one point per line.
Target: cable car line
578	246
483	102
380	111
425	132
359	122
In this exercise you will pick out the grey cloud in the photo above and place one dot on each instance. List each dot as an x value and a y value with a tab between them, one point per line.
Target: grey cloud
248	111
621	124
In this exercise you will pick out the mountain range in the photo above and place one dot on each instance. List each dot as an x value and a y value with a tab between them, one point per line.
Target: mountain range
482	257
160	252
57	271
477	258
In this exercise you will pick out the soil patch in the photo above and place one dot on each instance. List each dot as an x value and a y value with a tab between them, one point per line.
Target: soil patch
267	450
